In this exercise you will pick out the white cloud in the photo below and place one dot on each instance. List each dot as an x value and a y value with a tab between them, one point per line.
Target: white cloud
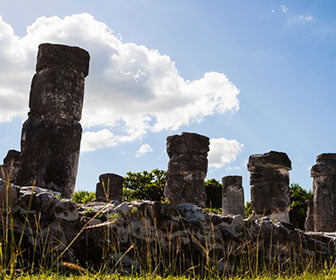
130	89
303	19
223	151
284	9
144	149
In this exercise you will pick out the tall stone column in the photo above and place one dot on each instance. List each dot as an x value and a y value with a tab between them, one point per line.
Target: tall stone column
232	196
324	186
269	180
109	187
50	139
187	168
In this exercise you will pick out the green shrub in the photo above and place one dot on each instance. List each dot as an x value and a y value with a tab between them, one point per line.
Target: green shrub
144	185
213	194
83	197
298	208
248	209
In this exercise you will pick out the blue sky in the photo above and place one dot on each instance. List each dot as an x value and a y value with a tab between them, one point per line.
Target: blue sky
253	76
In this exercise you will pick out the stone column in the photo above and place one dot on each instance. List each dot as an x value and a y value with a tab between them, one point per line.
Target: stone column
109	187
309	222
269	180
232	196
10	167
187	168
50	139
324	187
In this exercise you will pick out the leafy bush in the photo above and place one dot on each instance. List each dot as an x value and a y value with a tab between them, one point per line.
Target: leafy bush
248	209
83	197
144	185
298	197
213	194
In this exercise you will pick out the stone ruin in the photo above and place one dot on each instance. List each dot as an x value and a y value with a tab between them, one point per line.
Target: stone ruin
232	196
324	188
109	187
10	167
51	135
105	230
187	168
309	222
269	180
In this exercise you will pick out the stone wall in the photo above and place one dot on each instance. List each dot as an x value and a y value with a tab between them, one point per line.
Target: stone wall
132	235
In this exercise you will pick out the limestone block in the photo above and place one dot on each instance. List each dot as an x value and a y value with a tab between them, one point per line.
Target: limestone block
50	139
324	187
109	187
269	180
50	156
187	168
10	168
309	222
232	196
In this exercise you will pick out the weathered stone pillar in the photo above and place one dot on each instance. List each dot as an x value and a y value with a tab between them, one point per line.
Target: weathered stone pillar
324	187
269	180
232	196
187	168
10	167
109	187
50	140
309	222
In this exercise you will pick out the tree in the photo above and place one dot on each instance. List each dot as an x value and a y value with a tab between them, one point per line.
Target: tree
213	194
298	208
144	185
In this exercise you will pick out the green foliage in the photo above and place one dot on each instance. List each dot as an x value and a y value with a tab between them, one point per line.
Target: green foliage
213	193
298	197
144	185
248	209
149	186
83	197
214	210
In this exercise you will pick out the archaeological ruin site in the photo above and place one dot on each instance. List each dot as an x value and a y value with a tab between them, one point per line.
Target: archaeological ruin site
37	183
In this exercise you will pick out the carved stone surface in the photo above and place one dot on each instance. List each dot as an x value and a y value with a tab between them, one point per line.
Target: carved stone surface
232	196
50	155
109	187
324	187
10	167
269	180
50	140
309	222
187	168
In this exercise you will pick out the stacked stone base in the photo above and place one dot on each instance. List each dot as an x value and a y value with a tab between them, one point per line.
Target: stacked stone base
130	236
53	162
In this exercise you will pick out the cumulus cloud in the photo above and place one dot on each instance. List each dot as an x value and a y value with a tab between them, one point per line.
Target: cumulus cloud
131	90
144	149
223	151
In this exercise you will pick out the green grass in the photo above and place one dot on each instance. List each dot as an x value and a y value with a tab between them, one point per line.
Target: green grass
48	276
